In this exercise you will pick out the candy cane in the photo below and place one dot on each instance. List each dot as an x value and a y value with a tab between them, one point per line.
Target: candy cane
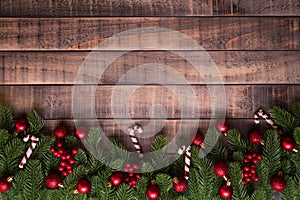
187	160
261	113
134	139
29	150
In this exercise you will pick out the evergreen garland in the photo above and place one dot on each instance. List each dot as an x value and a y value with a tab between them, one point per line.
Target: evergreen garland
29	183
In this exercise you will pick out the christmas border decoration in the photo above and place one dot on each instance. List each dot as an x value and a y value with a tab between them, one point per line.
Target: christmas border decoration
34	165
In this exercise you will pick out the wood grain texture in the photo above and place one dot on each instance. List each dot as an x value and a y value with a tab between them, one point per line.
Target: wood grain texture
230	33
168	128
93	8
236	67
55	102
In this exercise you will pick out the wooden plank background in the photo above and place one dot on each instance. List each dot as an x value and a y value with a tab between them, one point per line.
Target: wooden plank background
255	45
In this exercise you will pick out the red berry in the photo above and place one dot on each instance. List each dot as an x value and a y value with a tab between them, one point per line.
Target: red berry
221	168
130	174
255	160
71	161
246	160
60	168
252	171
246	168
68	156
128	165
134	186
70	171
222	126
52	149
278	183
127	178
259	157
68	166
60	132
61	151
244	181
60	144
126	170
254	155
245	175
249	156
256	179
138	176
63	157
225	191
255	136
248	179
135	167
65	173
63	164
56	154
74	151
81	132
130	169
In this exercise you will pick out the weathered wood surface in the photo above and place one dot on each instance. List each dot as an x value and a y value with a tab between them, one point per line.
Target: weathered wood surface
75	8
55	102
235	67
229	33
168	128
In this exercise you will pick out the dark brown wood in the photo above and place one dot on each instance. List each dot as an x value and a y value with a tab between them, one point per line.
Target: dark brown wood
89	8
55	102
230	33
236	67
170	129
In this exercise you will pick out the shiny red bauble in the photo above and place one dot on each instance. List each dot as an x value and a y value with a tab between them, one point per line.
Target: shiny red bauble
53	180
198	139
21	125
60	132
288	143
83	186
278	183
255	136
153	192
116	178
222	126
221	168
81	132
180	184
225	191
5	185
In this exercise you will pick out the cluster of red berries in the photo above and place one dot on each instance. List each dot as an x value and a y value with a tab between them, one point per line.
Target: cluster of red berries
132	177
249	170
66	158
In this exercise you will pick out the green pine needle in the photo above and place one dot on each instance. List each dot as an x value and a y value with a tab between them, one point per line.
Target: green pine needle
236	143
283	118
159	143
124	191
291	192
297	136
258	195
296	109
6	119
36	122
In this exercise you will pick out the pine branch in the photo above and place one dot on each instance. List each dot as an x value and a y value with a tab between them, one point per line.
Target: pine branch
99	185
159	157
70	141
43	146
81	158
297	136
236	143
6	119
258	195
5	137
164	182
283	118
49	162
218	152
290	192
296	109
35	121
141	188
239	190
124	191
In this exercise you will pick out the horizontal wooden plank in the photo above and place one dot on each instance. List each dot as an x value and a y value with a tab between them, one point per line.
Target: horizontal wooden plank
167	128
149	101
235	67
74	8
230	33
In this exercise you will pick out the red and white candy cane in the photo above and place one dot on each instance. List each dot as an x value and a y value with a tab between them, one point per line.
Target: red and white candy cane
29	151
187	160
262	113
136	144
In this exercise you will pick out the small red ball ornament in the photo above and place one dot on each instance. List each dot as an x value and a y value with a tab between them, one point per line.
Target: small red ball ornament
198	139
116	178
153	192
278	183
222	126
225	191
5	184
221	168
255	136
60	132
20	126
81	132
288	143
180	184
83	186
53	180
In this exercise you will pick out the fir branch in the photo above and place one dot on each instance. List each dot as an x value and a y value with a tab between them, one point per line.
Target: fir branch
147	169
258	195
164	181
43	146
49	162
141	188
182	198
291	192
99	185
218	152
194	188
70	141
238	157
5	137
159	157
283	118
297	136
6	119
236	143
159	143
239	190
124	191
296	109
35	121
81	158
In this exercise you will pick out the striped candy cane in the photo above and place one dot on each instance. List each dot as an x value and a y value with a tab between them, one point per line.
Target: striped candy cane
262	113
187	160
136	144
29	150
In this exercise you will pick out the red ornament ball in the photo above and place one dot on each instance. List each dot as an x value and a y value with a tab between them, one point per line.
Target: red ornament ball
255	136
5	185
81	132
53	180
221	168
198	139
278	183
153	192
288	143
225	191
180	184
83	186
21	125
222	126
116	178
60	132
